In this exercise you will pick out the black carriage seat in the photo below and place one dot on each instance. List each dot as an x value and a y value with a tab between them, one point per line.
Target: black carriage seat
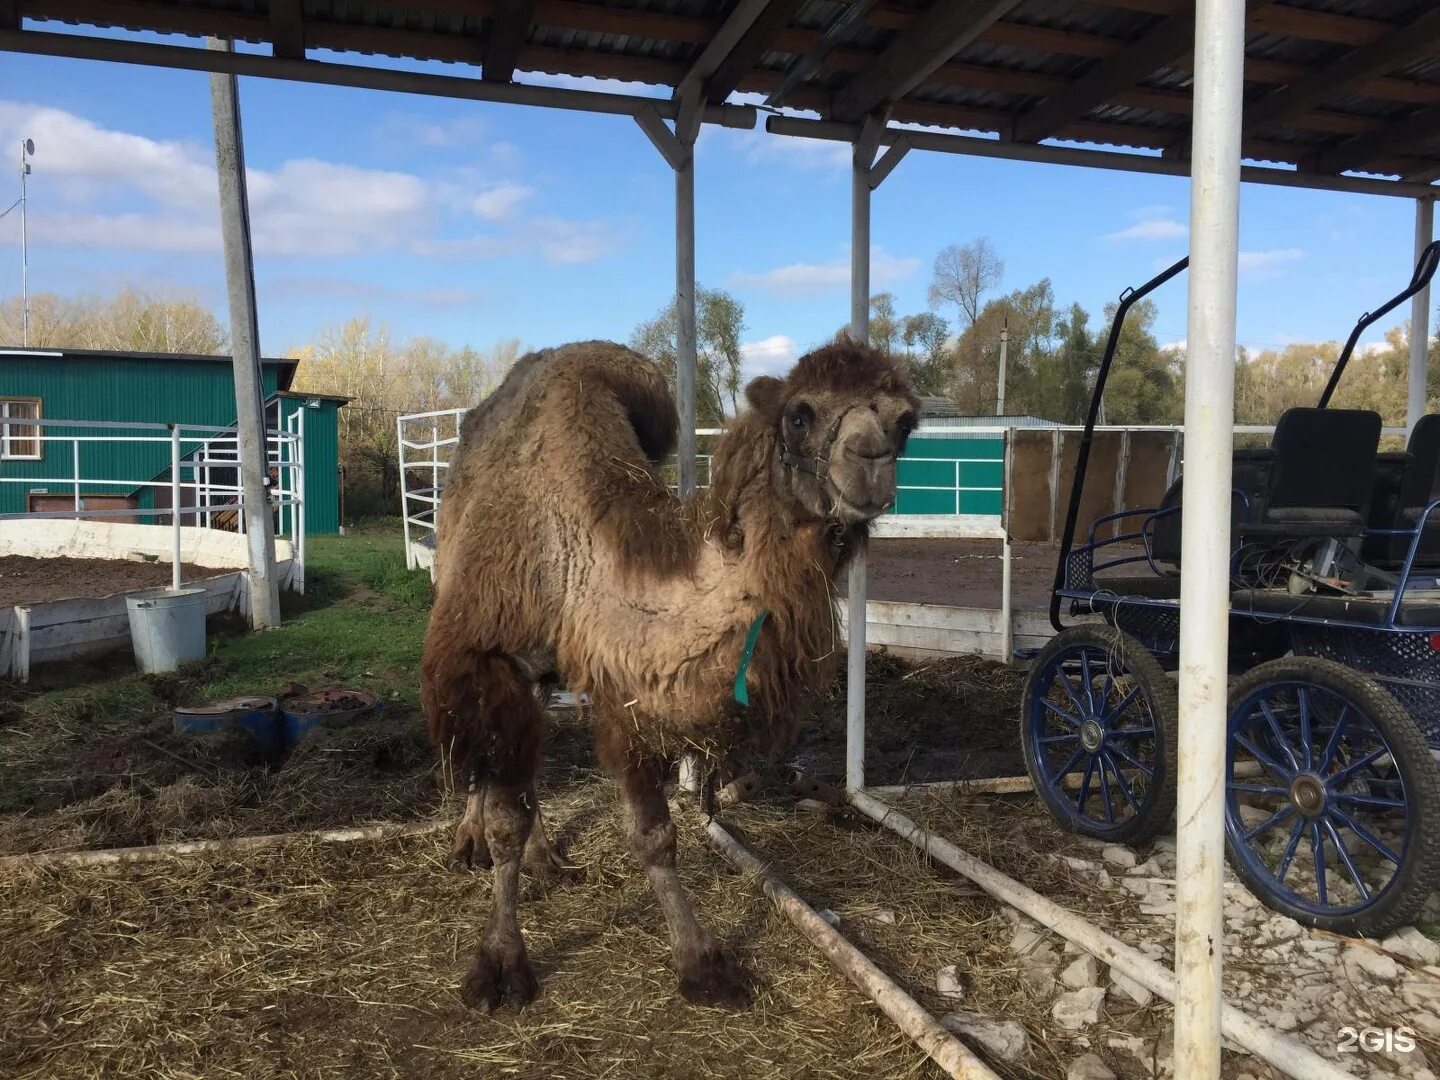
1405	483
1320	479
1366	610
1313	480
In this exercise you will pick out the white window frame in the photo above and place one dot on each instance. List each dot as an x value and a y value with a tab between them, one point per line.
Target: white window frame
6	454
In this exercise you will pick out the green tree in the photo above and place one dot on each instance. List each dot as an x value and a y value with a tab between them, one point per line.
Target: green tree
719	324
1064	380
1029	315
926	337
1146	384
884	326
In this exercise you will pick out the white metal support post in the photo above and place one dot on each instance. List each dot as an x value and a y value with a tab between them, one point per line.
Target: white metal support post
1205	581
866	175
245	340
174	506
1420	319
678	149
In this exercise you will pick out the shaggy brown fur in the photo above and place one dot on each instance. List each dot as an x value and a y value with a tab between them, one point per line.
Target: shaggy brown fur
562	550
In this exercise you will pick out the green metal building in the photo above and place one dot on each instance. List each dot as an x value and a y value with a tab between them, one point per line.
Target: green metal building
141	388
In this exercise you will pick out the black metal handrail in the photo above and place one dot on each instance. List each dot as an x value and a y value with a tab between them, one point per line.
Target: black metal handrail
1128	298
1424	271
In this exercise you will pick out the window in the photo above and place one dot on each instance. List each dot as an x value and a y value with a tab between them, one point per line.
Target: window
19	440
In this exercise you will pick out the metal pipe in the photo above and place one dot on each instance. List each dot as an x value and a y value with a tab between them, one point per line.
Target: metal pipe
250	65
174	508
1000	378
75	463
1204	544
1286	1054
404	496
1420	319
25	248
685	317
245	335
943	1048
856	588
1089	159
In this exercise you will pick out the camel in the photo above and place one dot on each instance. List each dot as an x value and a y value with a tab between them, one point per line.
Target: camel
563	554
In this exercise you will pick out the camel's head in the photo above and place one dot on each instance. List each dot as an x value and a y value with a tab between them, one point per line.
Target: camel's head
841	419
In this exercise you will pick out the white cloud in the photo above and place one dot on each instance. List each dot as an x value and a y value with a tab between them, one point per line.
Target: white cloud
403	129
1267	264
571	242
817	279
1157	227
500	203
770	356
113	190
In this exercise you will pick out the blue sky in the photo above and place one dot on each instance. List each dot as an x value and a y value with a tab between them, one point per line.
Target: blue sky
473	223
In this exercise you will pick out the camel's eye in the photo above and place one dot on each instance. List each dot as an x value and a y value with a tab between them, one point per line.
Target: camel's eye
800	416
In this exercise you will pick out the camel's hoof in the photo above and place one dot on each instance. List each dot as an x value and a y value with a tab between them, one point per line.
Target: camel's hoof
716	980
469	851
499	977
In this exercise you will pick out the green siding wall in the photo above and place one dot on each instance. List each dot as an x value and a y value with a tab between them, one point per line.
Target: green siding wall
932	462
145	390
322	464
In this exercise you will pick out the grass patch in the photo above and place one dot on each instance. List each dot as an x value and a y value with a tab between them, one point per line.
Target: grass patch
88	748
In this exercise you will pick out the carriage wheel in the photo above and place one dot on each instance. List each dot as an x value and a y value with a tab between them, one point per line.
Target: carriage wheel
1332	807
1098	730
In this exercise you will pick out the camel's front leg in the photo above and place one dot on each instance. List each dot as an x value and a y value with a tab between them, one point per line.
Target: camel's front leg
470	849
707	976
501	971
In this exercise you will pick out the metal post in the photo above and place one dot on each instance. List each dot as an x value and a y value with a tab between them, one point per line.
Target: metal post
1000	381
1420	319
25	248
1205	584
75	461
404	497
245	336
856	591
685	316
298	449
1007	613
175	506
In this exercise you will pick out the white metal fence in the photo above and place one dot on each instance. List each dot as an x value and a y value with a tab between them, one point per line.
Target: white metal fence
197	483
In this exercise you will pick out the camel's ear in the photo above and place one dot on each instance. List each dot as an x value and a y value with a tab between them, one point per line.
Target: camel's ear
764	394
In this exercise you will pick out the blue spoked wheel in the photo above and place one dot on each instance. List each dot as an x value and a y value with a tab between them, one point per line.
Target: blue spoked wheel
1098	730
1332	807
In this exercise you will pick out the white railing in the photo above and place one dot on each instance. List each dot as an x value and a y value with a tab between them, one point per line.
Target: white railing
203	467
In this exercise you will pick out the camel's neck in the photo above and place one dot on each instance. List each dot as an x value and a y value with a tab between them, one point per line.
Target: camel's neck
787	556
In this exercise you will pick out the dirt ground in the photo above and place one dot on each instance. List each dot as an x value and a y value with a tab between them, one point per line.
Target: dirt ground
959	573
27	580
956	718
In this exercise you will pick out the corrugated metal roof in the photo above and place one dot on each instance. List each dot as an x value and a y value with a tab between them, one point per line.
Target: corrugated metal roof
1029	58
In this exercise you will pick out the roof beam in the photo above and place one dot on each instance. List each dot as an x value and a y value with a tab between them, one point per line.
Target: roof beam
810	62
509	29
1161	46
1395	49
1419	127
751	43
936	35
287	29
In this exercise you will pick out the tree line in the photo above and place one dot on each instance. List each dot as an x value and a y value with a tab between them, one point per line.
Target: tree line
952	349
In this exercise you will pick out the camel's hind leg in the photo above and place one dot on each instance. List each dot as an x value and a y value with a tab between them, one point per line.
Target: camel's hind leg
501	972
707	976
470	848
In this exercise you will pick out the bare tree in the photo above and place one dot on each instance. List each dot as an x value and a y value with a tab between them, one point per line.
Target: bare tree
964	273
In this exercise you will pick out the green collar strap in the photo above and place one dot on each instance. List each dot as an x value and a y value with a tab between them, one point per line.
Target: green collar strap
742	692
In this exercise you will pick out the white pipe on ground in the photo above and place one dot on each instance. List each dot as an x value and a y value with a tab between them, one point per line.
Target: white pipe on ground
943	1048
156	852
1204	542
1284	1053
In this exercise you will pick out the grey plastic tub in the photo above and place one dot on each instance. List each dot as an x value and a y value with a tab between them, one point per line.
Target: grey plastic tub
167	627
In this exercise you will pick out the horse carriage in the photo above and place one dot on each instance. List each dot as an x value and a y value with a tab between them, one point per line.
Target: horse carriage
1332	800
